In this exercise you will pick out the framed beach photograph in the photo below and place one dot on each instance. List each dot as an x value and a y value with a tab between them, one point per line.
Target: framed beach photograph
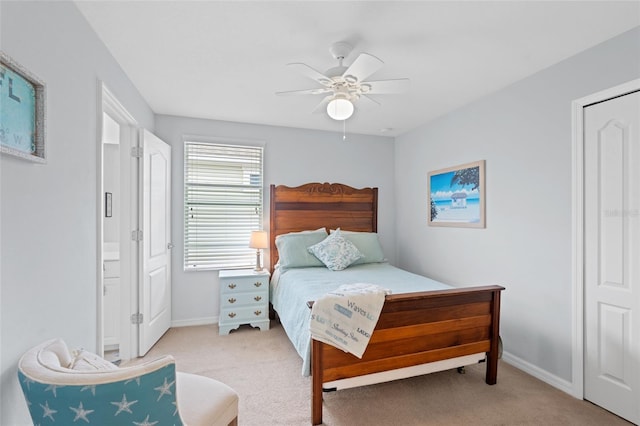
457	196
22	115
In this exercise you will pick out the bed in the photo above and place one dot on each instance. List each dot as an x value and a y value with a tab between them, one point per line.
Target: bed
425	326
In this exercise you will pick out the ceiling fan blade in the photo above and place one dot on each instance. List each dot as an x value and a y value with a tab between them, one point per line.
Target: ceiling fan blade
313	74
366	102
318	91
383	87
322	106
363	67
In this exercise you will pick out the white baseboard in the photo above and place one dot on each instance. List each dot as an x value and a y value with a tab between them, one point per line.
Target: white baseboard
194	321
538	373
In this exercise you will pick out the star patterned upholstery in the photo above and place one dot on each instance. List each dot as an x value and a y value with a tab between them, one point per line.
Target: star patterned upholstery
149	394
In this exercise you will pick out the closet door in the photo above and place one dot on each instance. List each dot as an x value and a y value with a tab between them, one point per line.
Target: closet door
612	255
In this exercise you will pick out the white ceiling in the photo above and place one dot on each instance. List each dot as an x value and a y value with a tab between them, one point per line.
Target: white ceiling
225	60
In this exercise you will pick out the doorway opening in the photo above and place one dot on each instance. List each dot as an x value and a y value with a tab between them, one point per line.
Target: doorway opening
117	211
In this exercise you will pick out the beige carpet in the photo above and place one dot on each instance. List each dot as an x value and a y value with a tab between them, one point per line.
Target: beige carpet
264	368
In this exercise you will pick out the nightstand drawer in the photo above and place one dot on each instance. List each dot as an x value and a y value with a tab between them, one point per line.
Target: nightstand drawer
242	284
245	315
243	299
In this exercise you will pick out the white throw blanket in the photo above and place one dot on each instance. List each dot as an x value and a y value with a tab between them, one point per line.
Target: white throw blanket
346	317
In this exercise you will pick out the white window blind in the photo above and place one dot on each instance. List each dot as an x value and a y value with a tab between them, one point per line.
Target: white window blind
223	204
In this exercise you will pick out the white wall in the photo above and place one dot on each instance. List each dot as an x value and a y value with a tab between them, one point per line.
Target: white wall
48	213
291	157
524	134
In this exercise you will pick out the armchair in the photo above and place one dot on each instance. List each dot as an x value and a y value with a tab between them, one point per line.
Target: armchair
64	389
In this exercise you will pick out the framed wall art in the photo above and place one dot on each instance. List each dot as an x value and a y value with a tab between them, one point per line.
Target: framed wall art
22	111
457	196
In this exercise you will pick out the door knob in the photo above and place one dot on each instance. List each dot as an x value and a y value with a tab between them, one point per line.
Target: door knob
170	246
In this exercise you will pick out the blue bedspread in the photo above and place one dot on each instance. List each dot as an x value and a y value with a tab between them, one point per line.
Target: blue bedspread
293	288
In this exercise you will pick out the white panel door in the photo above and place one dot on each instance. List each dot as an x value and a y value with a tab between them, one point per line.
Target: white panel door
155	289
612	255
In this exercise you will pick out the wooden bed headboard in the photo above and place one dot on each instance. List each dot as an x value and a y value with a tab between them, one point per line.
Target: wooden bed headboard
316	205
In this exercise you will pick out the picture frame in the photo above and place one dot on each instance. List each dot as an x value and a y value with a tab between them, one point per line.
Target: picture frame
22	111
456	196
108	204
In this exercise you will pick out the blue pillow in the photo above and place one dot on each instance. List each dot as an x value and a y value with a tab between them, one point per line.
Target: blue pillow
292	248
367	243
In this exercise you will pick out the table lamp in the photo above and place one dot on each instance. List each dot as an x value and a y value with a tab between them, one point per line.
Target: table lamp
258	241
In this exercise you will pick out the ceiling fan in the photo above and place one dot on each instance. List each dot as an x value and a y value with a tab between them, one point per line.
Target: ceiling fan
343	86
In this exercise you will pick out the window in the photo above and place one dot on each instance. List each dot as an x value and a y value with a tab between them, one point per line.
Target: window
222	204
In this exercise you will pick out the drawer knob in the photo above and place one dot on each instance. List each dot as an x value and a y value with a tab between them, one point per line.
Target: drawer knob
257	283
232	300
232	314
257	313
257	298
232	286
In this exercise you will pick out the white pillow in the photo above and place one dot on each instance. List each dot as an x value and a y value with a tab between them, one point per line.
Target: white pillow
336	252
87	361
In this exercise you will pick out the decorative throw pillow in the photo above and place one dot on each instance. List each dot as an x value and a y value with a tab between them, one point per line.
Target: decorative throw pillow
292	248
367	243
336	252
87	361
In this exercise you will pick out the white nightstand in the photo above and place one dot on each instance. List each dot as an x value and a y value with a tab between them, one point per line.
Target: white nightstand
244	299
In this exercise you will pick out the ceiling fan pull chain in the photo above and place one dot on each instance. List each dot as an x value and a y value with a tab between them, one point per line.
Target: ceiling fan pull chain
344	130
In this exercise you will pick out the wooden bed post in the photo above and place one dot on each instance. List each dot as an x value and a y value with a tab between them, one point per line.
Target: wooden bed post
316	382
492	355
273	257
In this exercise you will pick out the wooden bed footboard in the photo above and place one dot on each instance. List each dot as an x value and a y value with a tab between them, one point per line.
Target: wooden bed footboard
415	329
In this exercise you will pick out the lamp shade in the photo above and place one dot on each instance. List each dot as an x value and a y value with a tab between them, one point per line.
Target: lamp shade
340	109
258	240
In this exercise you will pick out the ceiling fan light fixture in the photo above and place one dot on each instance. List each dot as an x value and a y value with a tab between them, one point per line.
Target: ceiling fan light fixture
350	79
340	109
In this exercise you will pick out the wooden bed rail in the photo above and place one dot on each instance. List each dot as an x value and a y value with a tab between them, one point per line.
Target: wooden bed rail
414	329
